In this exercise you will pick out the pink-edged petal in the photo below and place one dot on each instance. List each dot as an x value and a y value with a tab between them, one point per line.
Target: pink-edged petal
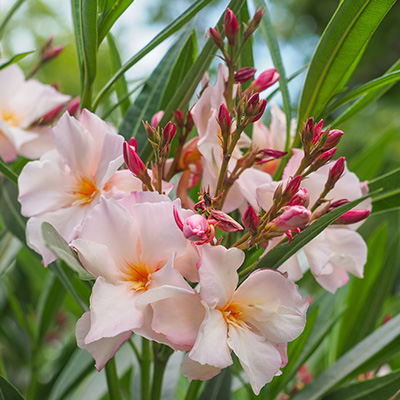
265	194
42	187
211	345
124	182
96	259
333	281
196	371
292	268
318	253
261	136
12	79
187	263
101	350
293	163
259	358
113	310
8	152
36	147
179	319
282	348
218	276
278	128
158	230
349	250
112	225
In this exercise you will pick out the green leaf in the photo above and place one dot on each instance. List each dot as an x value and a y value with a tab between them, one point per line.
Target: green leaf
173	27
110	16
362	352
121	86
361	163
9	15
9	248
270	38
180	69
366	100
344	38
146	104
76	17
8	172
381	388
56	243
389	197
279	254
219	387
8	391
15	59
377	83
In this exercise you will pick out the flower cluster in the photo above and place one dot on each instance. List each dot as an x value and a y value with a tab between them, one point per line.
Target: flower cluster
173	269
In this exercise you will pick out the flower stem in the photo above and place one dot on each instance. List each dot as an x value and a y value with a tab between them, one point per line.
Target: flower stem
145	365
8	173
161	356
193	391
112	380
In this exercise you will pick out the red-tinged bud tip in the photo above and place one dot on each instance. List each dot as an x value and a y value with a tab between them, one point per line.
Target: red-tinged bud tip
334	138
131	158
225	222
338	203
51	52
318	131
292	187
244	74
216	37
51	115
352	216
179	118
224	120
336	171
273	153
73	106
178	219
157	118
258	16
301	198
251	221
169	132
260	111
292	218
265	80
231	27
189	122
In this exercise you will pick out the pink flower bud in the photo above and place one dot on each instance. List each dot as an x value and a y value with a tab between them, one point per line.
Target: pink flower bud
157	118
132	160
292	218
352	216
179	119
51	52
266	155
323	159
301	198
51	115
261	110
225	222
335	173
292	187
189	122
216	37
333	140
258	16
169	132
307	134
231	27
338	203
224	120
250	220
318	131
244	74
73	106
196	228
265	80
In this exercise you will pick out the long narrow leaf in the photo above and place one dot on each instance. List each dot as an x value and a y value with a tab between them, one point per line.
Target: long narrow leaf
9	15
173	27
15	59
8	391
345	37
389	198
8	172
370	346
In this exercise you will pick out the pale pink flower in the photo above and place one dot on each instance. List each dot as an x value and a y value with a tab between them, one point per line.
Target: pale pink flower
67	182
255	320
21	104
132	252
338	250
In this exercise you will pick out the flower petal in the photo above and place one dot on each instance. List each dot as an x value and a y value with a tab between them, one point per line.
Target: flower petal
196	371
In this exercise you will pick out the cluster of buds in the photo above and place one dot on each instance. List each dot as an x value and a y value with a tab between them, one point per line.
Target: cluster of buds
161	141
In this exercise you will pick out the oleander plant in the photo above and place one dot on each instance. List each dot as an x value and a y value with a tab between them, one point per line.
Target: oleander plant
206	231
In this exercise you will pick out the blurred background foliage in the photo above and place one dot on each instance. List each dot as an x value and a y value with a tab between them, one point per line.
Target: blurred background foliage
371	144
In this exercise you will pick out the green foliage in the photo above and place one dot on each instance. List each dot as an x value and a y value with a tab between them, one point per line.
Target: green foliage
8	391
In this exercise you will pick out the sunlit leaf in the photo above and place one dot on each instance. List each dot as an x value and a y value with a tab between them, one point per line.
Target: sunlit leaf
8	391
15	59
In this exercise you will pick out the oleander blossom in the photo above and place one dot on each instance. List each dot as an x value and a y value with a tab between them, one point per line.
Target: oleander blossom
255	321
22	104
138	255
67	182
339	249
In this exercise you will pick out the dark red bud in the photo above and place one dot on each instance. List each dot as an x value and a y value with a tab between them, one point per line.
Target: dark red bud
251	221
334	138
216	37
231	27
189	122
260	110
244	74
224	120
169	132
179	118
352	216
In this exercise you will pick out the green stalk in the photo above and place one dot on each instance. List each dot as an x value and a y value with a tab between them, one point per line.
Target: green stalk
8	173
193	390
145	365
114	390
12	11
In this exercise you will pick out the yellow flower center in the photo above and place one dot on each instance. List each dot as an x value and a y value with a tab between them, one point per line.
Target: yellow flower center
139	276
85	191
10	118
233	314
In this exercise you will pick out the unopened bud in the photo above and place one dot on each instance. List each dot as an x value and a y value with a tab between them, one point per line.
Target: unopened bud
169	132
179	119
132	159
73	106
265	80
49	51
338	203
216	37
254	24
335	173
225	222
292	218
231	27
196	228
189	123
266	155
157	118
352	216
51	115
251	221
301	198
292	187
307	134
323	159
333	139
244	74
224	121
318	131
